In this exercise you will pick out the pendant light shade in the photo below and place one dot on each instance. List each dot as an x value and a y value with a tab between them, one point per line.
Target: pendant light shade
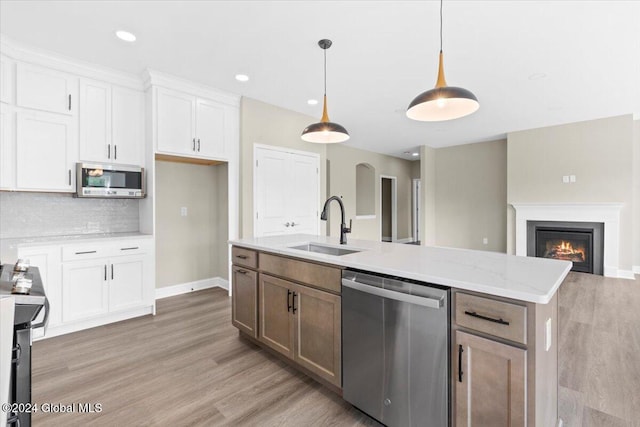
325	131
442	102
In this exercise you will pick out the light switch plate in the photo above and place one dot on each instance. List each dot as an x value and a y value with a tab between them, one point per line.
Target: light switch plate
183	211
572	178
565	179
547	334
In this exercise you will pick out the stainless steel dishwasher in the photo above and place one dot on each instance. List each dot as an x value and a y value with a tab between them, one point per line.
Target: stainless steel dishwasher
395	349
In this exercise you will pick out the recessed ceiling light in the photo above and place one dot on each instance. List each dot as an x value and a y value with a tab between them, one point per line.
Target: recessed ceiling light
126	36
537	76
242	77
312	101
415	154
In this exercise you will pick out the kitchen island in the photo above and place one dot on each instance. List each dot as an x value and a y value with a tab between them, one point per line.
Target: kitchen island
503	316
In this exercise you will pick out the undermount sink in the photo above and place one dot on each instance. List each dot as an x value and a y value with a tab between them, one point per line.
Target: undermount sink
324	249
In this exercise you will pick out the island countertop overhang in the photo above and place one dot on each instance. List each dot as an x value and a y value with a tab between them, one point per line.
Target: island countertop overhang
528	279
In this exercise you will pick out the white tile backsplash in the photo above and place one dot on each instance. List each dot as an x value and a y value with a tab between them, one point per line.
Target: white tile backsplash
24	214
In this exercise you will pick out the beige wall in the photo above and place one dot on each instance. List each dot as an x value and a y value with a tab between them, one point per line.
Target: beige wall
342	176
192	247
428	196
636	192
262	123
365	189
598	152
415	169
471	196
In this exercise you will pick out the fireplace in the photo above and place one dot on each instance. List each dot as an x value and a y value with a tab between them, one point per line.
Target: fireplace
578	242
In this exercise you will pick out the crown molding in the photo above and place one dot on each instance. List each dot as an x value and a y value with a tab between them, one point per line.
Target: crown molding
21	52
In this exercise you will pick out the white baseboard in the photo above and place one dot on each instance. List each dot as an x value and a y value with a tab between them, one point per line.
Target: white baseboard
626	274
198	285
407	240
636	269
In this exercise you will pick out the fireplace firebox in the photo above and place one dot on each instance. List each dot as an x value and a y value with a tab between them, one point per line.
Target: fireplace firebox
578	242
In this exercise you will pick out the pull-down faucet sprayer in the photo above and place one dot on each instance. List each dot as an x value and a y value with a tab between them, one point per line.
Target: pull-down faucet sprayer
343	226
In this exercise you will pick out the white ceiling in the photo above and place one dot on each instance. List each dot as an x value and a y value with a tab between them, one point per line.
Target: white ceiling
384	54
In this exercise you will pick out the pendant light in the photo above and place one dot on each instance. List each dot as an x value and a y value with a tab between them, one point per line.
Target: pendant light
325	131
442	102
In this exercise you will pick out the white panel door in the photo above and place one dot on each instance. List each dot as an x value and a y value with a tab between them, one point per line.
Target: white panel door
286	192
45	151
304	197
176	122
45	89
126	282
95	121
210	129
7	148
127	126
84	289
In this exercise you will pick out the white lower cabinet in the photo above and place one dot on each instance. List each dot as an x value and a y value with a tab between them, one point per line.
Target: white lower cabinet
84	289
91	284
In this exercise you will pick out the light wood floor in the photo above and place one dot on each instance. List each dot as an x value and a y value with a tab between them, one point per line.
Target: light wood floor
186	366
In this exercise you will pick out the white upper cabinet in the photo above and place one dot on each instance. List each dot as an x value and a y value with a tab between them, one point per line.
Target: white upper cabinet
111	123
7	87
210	128
7	148
95	120
176	120
127	126
192	126
46	89
46	151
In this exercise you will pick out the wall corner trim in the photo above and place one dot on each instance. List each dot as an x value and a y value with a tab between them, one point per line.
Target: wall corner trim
198	285
627	274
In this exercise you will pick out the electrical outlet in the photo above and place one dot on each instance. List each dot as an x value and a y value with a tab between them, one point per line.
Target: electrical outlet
572	178
548	334
565	179
485	241
183	211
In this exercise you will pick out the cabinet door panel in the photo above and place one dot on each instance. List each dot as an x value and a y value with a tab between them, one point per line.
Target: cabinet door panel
6	80
47	259
84	290
45	149
44	89
95	121
128	126
210	130
176	122
126	276
7	148
276	321
244	300
317	324
492	390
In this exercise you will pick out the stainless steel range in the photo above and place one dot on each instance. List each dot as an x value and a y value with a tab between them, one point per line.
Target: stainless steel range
29	301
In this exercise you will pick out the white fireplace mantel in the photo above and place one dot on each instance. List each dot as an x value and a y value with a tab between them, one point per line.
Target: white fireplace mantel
607	213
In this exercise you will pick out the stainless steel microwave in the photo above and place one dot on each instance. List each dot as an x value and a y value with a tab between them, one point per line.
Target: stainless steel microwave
110	181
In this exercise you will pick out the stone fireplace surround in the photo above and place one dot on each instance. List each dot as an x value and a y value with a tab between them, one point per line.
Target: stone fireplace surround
607	213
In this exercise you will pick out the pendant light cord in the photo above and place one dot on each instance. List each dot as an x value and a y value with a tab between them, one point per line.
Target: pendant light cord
440	25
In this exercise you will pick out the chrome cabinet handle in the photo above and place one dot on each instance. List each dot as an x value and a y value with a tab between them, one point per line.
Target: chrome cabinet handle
111	271
69	176
69	102
85	252
198	145
105	272
115	151
129	249
108	151
194	144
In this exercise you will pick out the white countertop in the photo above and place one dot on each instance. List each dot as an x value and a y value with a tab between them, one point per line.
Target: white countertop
8	247
528	279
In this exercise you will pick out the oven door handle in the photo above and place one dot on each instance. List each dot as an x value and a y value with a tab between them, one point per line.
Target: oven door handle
393	295
45	321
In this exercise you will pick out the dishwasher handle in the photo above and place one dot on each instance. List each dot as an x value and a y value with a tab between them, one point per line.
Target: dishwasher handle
397	296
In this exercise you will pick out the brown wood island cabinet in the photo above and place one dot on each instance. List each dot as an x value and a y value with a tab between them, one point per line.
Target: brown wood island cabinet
291	306
504	361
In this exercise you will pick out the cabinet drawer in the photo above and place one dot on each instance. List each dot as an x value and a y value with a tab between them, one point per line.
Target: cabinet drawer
319	276
132	247
86	251
502	319
244	257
